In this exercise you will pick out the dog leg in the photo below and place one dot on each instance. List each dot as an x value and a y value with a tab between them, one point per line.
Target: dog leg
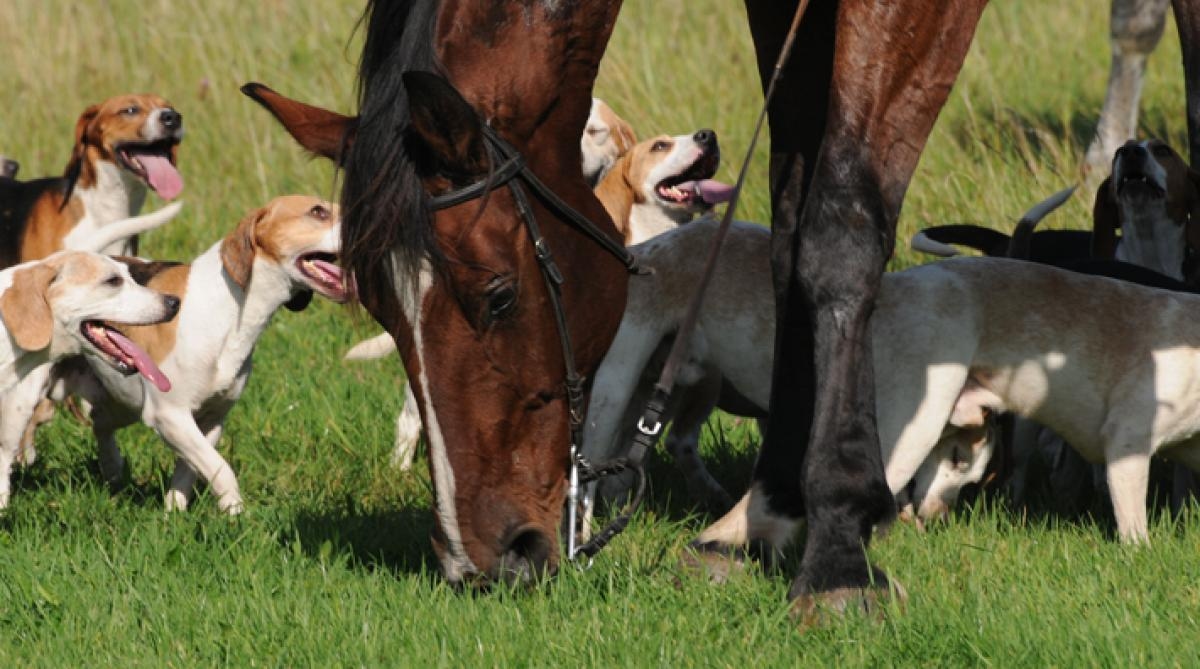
683	442
408	432
1128	479
18	408
1136	28
191	445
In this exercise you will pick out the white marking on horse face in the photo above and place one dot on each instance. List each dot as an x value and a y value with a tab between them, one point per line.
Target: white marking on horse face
455	561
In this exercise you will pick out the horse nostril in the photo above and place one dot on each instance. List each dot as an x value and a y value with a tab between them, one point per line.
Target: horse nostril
526	558
705	136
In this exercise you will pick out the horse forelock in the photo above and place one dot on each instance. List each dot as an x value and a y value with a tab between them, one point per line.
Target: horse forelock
386	231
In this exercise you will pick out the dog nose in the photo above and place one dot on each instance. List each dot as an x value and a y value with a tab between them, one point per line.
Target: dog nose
171	303
705	137
170	119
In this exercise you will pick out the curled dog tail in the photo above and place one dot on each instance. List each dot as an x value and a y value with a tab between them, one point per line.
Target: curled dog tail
1022	237
379	346
937	240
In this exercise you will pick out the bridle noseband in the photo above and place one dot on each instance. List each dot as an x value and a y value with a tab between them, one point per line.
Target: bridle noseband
512	172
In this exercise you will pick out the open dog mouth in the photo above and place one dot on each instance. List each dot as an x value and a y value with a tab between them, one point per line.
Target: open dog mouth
124	355
695	185
1140	183
324	276
152	163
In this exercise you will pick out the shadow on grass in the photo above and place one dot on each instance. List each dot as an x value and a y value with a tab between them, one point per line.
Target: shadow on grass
394	540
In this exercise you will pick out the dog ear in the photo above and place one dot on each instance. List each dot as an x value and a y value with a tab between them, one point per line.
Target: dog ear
78	152
320	131
1106	218
623	132
25	308
445	124
238	248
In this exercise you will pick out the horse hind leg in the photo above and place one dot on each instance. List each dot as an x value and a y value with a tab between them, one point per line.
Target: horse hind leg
1136	26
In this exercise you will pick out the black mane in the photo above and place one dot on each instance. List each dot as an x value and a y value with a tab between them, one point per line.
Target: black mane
384	205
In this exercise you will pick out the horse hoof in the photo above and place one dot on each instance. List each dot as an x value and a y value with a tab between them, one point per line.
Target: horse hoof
812	610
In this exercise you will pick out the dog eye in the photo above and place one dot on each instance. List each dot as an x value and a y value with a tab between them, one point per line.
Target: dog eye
114	281
320	213
660	145
130	111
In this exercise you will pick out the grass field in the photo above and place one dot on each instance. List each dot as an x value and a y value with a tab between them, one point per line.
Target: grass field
330	565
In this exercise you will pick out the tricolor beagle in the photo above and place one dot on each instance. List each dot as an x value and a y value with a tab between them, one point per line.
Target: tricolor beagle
122	146
277	255
65	305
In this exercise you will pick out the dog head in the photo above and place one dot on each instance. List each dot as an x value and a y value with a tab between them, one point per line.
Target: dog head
8	168
294	240
71	302
1146	176
139	134
960	458
606	137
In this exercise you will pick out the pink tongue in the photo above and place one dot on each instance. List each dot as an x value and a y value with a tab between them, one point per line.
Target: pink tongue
161	174
332	273
141	360
714	192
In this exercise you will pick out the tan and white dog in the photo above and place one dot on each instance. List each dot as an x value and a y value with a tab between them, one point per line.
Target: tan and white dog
123	146
662	183
277	255
67	305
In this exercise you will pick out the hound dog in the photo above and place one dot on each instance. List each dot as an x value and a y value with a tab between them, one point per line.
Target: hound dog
729	362
956	340
123	146
68	304
606	137
277	255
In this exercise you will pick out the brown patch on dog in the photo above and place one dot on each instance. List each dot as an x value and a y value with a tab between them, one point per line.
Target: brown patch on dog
616	191
102	126
622	133
169	278
49	223
25	307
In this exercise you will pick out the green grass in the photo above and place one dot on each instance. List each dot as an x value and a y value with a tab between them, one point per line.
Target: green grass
331	564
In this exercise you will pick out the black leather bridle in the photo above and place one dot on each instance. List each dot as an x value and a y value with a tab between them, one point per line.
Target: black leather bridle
513	172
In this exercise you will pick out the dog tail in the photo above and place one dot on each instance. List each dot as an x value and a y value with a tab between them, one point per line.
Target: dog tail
937	240
379	346
126	228
1022	238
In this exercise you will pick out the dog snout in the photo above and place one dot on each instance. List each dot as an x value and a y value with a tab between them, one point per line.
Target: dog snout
170	119
706	138
8	168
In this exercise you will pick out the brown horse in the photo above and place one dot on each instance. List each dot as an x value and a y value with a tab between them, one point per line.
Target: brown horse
459	288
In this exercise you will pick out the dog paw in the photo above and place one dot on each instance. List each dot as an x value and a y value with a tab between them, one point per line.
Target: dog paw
174	501
812	610
231	506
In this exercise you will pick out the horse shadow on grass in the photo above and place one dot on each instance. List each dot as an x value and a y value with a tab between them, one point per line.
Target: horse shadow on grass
393	540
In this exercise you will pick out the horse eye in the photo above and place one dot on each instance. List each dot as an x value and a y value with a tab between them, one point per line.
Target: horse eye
660	146
114	281
501	300
320	213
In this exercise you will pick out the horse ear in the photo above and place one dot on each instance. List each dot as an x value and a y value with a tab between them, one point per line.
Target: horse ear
26	309
445	123
237	249
320	131
1106	218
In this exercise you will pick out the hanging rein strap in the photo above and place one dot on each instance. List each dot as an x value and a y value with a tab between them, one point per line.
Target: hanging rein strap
649	426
